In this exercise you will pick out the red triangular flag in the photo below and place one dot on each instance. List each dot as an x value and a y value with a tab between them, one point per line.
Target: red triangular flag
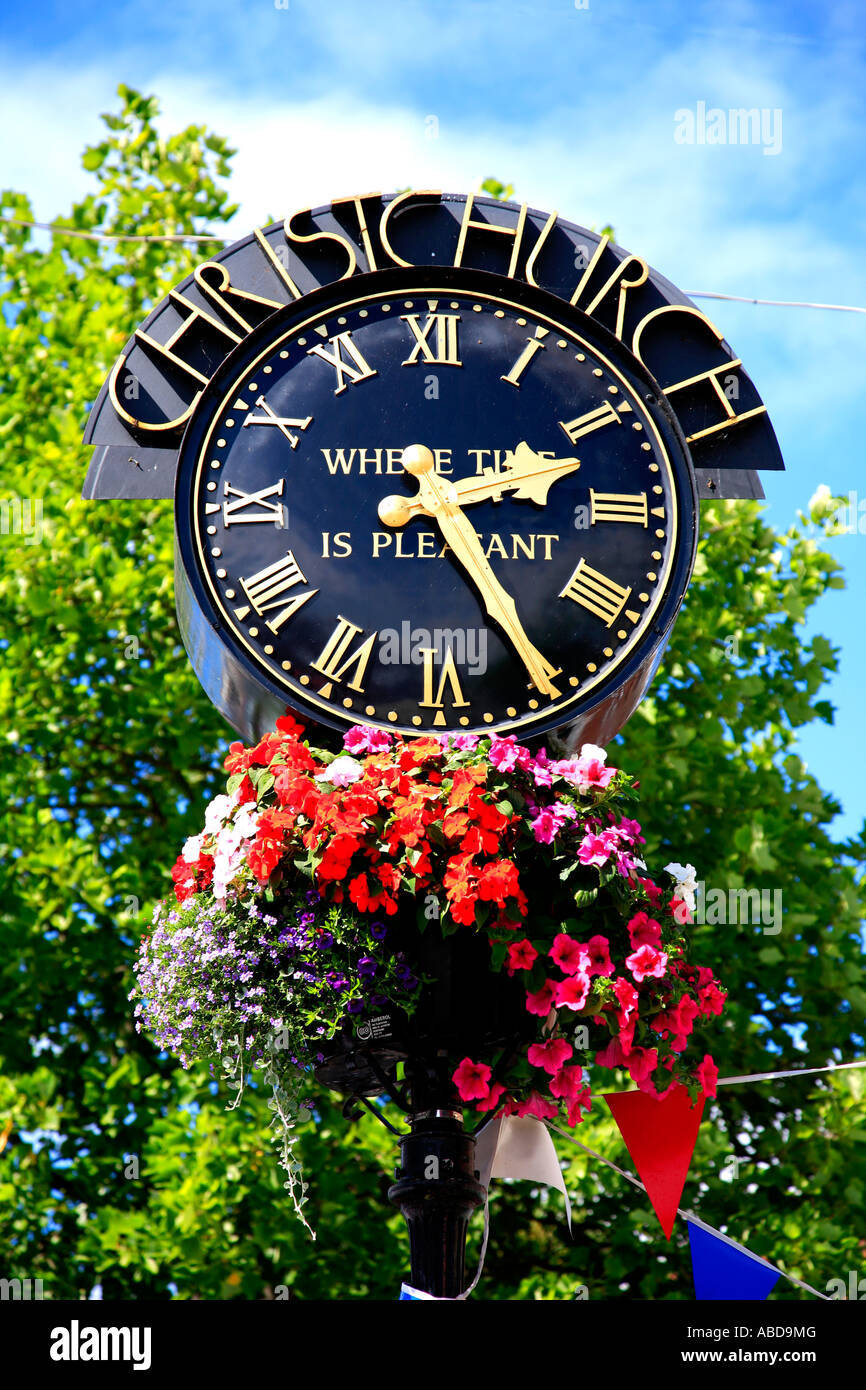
660	1135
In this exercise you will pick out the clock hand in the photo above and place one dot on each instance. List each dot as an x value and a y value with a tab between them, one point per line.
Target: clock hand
438	498
525	473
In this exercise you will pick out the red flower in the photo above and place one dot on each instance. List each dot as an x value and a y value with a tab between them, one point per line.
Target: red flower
522	955
498	881
598	950
647	961
641	1061
583	1098
567	1083
539	1107
644	931
551	1055
491	1101
712	999
568	954
614	1055
472	1080
708	1074
542	1001
573	992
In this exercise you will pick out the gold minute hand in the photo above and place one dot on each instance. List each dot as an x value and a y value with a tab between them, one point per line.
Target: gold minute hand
524	473
438	498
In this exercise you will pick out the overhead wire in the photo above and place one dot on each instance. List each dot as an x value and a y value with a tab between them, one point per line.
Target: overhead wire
227	241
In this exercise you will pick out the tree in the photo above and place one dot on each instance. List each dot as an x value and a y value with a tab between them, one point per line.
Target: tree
120	1169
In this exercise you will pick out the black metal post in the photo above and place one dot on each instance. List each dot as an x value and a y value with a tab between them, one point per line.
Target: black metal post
437	1190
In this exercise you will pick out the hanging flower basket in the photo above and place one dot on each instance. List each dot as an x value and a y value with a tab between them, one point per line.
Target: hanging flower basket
455	898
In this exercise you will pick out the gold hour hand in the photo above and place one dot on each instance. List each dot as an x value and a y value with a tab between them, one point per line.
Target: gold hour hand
439	498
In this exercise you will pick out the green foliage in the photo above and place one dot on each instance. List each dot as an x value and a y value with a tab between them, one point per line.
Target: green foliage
118	1167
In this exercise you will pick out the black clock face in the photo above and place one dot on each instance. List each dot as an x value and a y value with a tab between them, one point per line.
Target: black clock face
520	561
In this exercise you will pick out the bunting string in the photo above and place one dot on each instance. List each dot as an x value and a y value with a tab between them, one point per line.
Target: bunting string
689	1216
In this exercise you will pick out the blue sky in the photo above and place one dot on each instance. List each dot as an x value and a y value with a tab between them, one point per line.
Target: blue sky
574	106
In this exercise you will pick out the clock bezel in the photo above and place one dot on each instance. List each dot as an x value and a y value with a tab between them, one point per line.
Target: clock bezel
199	607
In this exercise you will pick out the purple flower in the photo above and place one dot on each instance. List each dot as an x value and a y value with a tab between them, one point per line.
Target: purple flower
337	981
378	931
324	941
355	1006
367	967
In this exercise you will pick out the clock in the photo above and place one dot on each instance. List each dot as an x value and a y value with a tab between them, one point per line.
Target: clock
432	499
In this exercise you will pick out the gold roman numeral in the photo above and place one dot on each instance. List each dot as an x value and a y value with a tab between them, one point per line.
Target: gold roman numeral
282	422
360	371
617	506
446	340
449	675
336	658
592	420
236	503
533	345
596	592
267	589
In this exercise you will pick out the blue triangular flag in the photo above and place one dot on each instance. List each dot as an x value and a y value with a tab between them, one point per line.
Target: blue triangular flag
724	1270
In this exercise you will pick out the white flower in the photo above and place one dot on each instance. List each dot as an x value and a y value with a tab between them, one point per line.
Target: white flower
342	772
192	849
591	750
217	812
684	874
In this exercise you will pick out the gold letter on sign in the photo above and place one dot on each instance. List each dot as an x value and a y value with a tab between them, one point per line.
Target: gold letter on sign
470	221
166	351
391	208
711	375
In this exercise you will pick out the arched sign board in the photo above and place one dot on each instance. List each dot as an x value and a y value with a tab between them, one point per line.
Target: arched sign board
521	568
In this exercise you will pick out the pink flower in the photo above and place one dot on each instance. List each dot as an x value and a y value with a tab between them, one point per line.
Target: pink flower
630	830
627	996
611	1056
647	962
652	890
644	931
539	1107
568	954
649	1088
712	999
708	1074
522	955
583	1098
567	1083
540	769
595	849
506	754
680	911
572	993
550	821
342	772
641	1061
550	1055
542	1001
490	1102
472	1080
361	739
465	742
586	771
598	950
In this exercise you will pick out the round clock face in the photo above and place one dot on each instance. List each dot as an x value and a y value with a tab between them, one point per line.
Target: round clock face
436	500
